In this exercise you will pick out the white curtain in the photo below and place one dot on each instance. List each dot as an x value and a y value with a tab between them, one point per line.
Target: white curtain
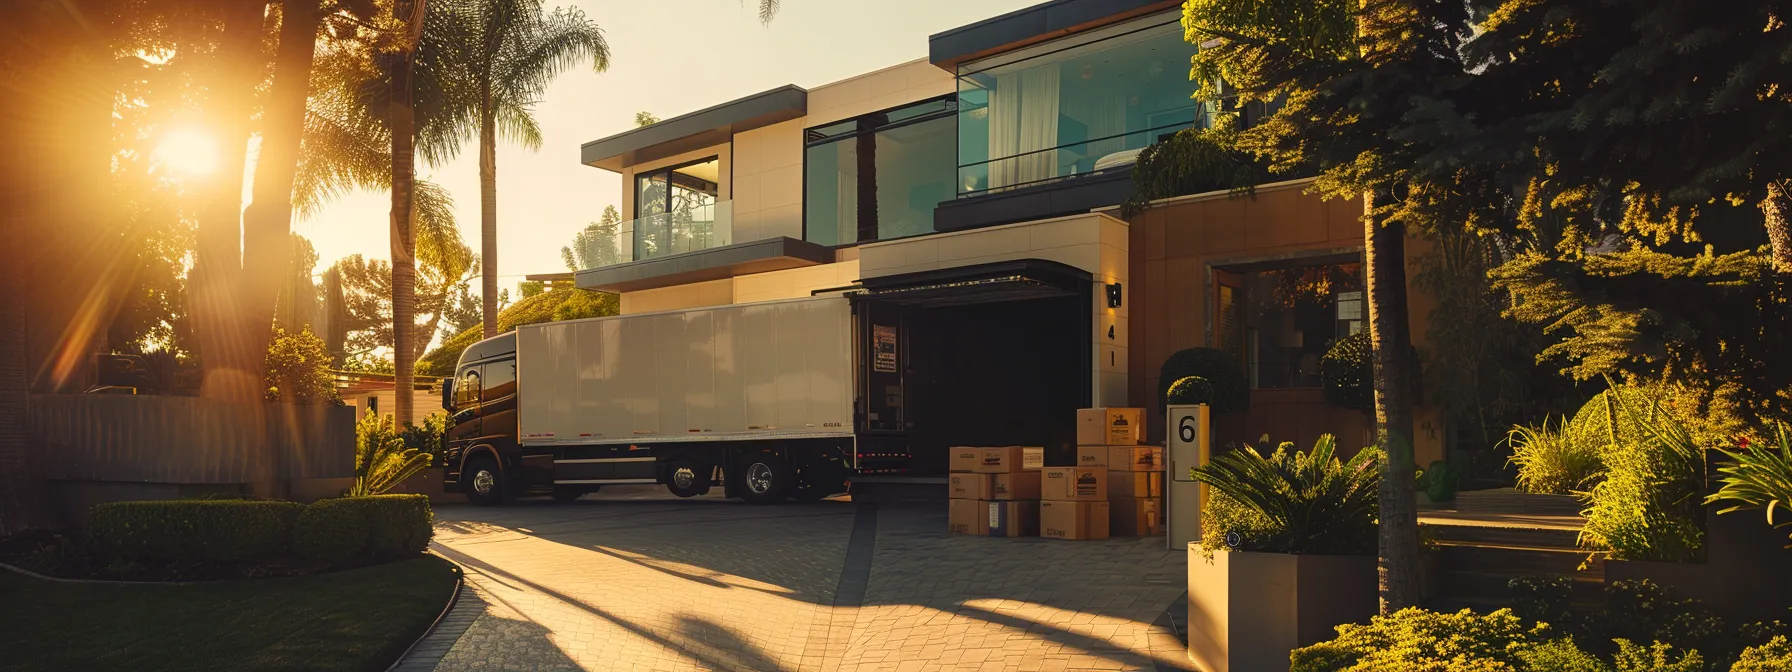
1023	119
846	194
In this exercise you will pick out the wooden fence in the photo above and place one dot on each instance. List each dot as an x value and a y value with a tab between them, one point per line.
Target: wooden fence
188	440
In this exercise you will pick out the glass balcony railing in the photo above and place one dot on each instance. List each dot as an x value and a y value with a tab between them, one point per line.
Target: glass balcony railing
1117	152
698	227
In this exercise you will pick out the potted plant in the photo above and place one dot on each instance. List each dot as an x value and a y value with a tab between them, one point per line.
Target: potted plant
1287	552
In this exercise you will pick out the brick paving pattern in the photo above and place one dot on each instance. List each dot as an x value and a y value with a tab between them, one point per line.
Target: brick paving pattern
634	580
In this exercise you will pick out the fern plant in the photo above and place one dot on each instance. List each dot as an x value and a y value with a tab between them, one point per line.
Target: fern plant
1758	477
382	460
1648	506
1555	460
1292	501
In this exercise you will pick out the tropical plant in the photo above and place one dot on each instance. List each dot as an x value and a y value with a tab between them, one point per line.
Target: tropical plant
1189	391
512	50
1291	501
382	460
1347	372
1758	477
1648	505
1559	460
1223	371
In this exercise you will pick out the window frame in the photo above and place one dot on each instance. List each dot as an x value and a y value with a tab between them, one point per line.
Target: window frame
1242	267
949	108
667	170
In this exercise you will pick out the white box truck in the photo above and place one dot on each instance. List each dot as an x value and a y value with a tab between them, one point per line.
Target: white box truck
755	397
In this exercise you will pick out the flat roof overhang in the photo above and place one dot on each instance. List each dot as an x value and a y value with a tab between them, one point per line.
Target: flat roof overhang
1032	25
1017	280
716	263
688	132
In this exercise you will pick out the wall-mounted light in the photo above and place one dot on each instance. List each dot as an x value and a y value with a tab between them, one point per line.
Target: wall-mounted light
1113	295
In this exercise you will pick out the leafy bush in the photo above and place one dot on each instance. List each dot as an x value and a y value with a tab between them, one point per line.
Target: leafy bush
1189	391
1758	477
1774	656
1422	641
1439	481
351	530
382	459
297	368
192	531
1639	611
1347	372
1648	505
1291	501
427	437
1555	461
1222	370
1657	657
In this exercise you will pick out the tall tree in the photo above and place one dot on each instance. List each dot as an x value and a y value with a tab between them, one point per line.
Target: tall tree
513	52
599	244
1356	82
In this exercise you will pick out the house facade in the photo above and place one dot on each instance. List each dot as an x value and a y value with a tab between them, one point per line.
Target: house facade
969	200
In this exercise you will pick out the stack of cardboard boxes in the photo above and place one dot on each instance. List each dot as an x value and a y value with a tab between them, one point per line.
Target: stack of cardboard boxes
1109	439
995	491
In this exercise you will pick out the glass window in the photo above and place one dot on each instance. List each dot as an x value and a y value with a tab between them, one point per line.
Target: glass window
879	176
500	380
676	208
1061	111
466	392
1291	317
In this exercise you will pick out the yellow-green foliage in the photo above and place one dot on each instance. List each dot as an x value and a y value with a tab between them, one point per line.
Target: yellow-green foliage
1774	656
550	306
1417	640
1647	506
297	368
1291	501
1759	476
382	460
1557	460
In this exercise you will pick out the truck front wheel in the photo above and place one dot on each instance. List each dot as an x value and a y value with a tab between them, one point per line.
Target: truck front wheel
687	477
763	478
482	481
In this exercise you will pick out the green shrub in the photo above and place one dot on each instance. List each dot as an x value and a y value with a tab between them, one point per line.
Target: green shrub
188	531
1223	371
1422	641
1190	391
382	458
1347	373
1291	501
1559	655
1439	481
1648	505
1758	477
1657	657
354	530
1774	656
1555	461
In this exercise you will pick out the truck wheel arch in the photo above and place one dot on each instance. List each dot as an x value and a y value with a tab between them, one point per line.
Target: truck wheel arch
481	449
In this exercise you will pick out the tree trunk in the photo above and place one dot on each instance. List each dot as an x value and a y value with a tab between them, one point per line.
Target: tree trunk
403	124
1385	280
227	349
488	214
267	222
1775	209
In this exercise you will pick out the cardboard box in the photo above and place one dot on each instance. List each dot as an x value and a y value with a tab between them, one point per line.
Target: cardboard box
1128	484
1004	460
1092	456
969	486
964	516
1074	484
1136	517
963	459
1110	426
1023	485
1073	520
1010	519
1135	458
1032	458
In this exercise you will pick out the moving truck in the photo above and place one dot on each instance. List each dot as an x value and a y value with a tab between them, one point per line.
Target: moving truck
757	398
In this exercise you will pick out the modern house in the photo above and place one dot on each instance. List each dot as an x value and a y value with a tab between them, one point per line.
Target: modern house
970	199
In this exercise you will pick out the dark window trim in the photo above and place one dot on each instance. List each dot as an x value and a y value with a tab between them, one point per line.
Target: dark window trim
668	170
1169	18
950	109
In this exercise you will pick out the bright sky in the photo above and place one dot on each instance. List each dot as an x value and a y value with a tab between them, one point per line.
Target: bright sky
668	57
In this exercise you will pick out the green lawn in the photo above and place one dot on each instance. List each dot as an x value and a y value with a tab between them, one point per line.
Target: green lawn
359	619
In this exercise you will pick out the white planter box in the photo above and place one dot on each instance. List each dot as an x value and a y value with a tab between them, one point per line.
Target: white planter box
1246	611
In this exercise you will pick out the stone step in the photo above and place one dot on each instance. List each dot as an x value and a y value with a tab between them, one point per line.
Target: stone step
1503	535
1518	560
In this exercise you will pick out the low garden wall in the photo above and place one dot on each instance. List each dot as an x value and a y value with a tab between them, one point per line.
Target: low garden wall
101	448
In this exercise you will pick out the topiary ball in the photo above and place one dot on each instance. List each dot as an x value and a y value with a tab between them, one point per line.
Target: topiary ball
1223	371
1189	391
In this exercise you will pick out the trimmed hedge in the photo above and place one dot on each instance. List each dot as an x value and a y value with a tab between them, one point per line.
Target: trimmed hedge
332	532
340	531
186	531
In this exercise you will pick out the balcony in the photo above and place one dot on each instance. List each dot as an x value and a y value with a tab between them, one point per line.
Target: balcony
691	229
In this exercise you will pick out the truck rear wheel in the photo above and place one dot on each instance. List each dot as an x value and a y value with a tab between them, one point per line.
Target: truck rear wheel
482	481
688	477
763	478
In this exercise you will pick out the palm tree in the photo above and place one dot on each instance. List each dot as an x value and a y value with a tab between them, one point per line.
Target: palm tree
514	50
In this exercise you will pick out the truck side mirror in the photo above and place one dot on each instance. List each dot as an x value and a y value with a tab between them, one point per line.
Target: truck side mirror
447	394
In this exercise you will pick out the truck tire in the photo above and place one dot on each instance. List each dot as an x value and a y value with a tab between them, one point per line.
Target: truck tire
763	478
687	477
482	480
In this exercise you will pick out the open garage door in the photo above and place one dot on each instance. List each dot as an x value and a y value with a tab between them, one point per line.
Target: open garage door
988	355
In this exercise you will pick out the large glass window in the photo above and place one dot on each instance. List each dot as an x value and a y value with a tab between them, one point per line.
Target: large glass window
878	176
1080	105
676	208
1282	320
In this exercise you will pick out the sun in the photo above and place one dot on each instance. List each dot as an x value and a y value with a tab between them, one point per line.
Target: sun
188	152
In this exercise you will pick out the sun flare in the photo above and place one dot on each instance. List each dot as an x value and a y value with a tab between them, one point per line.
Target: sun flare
188	152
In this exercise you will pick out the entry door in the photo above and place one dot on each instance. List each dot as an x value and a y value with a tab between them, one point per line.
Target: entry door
882	393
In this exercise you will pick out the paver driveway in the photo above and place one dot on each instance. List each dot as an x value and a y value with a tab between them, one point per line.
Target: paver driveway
637	580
